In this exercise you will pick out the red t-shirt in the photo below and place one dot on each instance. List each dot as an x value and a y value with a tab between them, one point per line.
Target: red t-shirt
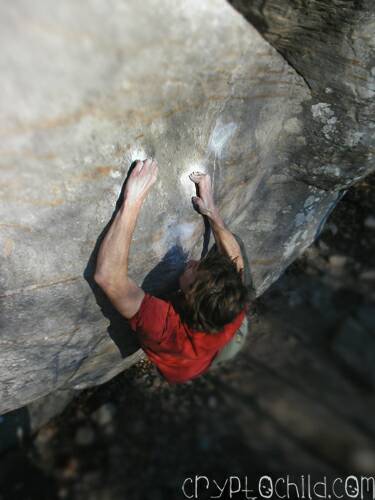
179	353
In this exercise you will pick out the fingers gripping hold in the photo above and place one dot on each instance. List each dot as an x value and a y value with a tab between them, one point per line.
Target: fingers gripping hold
140	180
197	176
142	167
204	201
139	165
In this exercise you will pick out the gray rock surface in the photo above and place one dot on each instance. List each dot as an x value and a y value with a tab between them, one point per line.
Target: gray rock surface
331	44
87	88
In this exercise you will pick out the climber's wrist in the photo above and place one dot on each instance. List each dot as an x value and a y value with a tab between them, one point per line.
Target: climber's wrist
214	216
130	203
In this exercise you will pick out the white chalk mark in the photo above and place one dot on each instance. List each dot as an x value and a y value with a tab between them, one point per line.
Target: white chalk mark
219	137
137	154
187	184
173	233
184	231
213	175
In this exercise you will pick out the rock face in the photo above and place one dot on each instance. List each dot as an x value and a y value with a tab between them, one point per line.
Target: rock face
331	44
88	88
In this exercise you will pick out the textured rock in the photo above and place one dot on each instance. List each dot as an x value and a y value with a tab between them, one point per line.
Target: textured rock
87	89
331	45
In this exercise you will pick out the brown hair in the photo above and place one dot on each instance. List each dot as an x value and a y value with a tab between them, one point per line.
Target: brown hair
217	295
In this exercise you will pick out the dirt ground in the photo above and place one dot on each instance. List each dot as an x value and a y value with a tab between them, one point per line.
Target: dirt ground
299	399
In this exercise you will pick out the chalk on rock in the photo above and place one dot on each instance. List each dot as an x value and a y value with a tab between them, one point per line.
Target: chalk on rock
262	138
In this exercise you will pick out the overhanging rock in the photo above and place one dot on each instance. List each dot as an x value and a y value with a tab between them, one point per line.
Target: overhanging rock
87	88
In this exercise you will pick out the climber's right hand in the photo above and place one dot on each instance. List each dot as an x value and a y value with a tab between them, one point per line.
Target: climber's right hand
204	201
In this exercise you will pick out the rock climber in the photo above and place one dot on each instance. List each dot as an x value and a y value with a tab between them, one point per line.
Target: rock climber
182	338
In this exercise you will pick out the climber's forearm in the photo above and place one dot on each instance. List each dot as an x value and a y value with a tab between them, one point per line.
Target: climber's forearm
224	239
112	262
113	256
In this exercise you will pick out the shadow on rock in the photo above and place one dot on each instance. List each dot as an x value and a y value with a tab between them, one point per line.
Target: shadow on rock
161	281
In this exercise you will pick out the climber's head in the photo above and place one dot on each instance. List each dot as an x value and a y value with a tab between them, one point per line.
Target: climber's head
214	292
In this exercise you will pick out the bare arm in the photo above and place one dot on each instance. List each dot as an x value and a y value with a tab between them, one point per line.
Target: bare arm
112	262
224	239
